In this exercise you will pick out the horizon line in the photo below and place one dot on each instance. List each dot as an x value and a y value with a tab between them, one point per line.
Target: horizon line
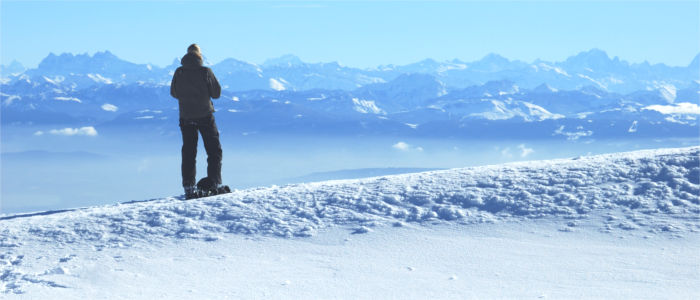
107	51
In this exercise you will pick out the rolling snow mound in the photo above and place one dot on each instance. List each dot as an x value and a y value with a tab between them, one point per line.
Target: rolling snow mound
652	190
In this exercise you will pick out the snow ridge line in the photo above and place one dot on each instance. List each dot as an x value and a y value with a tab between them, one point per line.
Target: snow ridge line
657	190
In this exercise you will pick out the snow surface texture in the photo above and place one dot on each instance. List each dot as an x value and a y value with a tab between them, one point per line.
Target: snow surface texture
655	191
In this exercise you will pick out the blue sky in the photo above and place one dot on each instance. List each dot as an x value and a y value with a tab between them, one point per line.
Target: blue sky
354	33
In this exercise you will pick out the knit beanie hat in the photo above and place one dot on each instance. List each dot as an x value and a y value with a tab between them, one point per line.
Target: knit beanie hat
194	49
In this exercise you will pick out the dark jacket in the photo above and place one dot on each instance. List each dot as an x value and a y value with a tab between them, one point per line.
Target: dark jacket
193	85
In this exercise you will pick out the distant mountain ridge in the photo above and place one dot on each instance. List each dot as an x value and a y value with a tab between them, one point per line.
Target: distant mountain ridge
593	67
588	94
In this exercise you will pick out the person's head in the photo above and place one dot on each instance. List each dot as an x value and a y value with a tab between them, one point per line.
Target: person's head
194	49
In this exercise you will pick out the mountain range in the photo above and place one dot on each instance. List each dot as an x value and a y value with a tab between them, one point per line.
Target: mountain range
593	67
587	94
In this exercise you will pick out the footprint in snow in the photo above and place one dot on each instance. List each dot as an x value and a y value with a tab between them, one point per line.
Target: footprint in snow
361	230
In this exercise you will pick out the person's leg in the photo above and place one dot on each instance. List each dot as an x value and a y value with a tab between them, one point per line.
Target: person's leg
189	152
210	137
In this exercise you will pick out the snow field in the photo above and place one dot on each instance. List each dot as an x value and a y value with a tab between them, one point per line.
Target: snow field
512	260
654	190
649	192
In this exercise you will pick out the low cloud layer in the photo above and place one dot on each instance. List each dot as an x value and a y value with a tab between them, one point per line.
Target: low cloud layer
402	146
523	150
109	107
85	131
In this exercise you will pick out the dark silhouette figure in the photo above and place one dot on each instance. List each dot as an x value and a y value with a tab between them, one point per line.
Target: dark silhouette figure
194	85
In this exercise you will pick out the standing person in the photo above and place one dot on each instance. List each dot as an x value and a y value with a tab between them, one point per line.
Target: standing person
194	85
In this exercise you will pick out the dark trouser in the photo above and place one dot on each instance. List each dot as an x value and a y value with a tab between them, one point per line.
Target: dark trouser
210	135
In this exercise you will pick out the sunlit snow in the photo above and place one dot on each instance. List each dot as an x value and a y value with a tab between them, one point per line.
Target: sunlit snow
677	108
366	106
585	226
277	85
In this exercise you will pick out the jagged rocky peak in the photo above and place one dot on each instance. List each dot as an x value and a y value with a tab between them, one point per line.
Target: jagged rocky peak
593	60
104	55
233	62
427	65
175	63
695	63
594	54
12	68
494	57
493	62
234	65
84	60
592	90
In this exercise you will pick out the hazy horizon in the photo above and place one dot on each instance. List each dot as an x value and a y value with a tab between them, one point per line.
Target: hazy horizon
358	34
207	60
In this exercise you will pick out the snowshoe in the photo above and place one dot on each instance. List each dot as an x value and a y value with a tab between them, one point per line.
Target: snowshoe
205	188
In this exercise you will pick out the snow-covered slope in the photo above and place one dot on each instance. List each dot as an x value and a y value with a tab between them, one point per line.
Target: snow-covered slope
659	185
651	191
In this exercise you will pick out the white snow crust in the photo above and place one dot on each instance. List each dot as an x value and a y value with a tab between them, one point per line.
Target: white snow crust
278	84
678	108
654	192
99	78
366	107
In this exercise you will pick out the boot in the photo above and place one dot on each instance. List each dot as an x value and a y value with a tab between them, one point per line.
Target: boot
190	192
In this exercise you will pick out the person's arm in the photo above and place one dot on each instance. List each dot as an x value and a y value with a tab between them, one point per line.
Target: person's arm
213	85
172	85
